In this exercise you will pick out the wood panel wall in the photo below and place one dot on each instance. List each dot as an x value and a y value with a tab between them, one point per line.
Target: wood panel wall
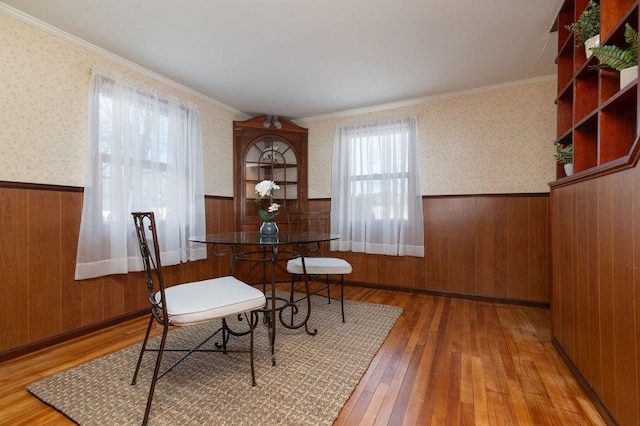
596	286
494	246
39	297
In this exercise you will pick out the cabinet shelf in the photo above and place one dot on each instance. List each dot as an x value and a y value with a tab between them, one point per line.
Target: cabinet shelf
592	115
566	138
625	97
280	182
264	165
565	91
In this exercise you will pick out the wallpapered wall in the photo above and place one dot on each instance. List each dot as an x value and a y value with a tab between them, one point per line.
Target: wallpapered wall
44	86
490	141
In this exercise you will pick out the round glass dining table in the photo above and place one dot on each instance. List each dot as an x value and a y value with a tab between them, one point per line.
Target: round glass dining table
269	250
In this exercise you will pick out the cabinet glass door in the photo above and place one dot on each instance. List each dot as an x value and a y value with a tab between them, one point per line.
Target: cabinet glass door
274	159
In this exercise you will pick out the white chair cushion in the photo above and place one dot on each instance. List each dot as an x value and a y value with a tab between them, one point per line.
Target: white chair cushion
319	266
200	301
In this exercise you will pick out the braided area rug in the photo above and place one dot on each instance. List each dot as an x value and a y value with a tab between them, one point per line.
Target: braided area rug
313	378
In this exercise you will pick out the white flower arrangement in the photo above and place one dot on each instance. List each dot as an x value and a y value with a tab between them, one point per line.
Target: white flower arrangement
264	189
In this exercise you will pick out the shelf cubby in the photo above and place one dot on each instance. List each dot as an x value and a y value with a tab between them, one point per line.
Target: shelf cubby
586	88
618	125
609	84
615	12
565	111
579	54
585	144
565	140
565	70
565	17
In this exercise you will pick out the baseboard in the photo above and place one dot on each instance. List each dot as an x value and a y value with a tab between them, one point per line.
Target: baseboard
593	396
480	298
61	338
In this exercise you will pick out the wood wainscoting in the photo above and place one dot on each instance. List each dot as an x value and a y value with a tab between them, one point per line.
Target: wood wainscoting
40	301
595	243
492	246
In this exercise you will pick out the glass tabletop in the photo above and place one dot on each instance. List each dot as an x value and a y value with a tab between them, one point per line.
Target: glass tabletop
254	238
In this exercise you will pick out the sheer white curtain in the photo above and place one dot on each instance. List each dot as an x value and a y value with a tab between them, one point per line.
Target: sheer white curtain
144	154
376	203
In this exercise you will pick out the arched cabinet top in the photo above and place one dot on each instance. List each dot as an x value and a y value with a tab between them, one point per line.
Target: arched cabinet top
273	148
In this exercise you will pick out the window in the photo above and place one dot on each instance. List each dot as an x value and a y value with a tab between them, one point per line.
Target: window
144	154
376	204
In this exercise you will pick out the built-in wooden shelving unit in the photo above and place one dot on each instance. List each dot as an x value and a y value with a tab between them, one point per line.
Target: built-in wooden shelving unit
594	114
594	217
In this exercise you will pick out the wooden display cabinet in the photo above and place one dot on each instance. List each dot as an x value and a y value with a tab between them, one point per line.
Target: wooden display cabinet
594	114
268	148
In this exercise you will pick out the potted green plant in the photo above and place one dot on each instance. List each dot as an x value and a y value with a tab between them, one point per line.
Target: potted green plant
586	30
564	155
623	60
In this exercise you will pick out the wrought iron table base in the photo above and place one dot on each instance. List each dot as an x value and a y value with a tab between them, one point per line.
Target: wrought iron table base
278	304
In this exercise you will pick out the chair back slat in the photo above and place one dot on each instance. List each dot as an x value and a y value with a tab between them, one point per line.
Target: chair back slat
311	222
150	251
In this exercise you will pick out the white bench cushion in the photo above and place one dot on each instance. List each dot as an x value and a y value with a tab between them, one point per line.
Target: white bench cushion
200	301
319	266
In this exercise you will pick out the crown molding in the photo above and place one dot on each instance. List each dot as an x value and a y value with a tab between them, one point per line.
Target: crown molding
38	24
424	100
34	22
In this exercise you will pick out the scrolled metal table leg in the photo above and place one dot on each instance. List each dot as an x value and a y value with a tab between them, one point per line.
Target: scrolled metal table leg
272	335
306	287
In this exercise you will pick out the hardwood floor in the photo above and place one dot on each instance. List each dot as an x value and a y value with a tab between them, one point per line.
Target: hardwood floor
446	361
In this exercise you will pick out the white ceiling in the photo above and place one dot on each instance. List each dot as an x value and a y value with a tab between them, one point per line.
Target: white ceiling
305	58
